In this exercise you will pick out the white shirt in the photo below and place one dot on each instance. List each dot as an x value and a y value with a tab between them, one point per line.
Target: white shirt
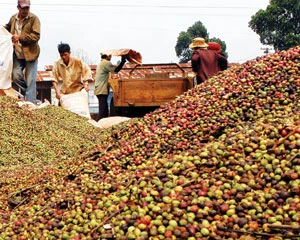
18	46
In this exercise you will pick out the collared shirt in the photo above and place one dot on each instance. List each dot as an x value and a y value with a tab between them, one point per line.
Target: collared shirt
30	35
72	76
101	78
18	30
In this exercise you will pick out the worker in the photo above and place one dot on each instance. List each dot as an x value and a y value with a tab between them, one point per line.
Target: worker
217	48
73	72
205	63
214	46
25	29
101	82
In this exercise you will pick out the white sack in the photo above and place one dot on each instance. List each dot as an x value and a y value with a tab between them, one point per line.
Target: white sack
6	58
77	103
110	121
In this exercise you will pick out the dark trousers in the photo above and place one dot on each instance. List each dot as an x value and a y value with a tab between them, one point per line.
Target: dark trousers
199	80
103	106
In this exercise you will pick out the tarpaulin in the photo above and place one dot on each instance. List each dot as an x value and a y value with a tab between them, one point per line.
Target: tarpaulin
131	55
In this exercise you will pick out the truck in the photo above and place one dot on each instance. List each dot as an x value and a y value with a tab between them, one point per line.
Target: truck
142	88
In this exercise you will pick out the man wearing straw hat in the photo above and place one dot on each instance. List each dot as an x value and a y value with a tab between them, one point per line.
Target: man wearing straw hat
205	63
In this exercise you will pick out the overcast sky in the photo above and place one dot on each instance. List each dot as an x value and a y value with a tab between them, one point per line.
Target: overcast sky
149	27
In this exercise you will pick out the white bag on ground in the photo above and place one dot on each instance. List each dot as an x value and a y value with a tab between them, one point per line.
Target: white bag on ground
6	58
110	121
77	103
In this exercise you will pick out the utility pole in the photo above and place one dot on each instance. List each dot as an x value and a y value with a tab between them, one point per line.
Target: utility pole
266	50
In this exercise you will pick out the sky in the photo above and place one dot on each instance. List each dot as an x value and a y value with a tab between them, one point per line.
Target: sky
149	27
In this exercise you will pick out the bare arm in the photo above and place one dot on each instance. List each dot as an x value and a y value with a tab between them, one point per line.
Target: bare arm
119	67
55	78
57	91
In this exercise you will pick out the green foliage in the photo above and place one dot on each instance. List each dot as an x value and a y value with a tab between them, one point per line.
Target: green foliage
279	24
185	38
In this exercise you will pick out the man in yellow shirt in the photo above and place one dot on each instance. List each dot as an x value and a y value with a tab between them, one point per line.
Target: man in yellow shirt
75	76
73	72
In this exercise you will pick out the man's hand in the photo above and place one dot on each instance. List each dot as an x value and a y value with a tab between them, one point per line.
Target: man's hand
58	95
15	38
86	86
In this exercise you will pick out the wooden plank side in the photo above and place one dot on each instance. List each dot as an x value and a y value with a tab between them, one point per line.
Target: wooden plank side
150	92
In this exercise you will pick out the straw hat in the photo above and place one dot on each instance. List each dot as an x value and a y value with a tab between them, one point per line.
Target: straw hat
198	42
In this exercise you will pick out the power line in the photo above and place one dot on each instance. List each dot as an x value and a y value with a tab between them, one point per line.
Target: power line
138	6
118	11
93	9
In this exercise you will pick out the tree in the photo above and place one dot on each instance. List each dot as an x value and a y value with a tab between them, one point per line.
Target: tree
82	54
279	24
185	38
